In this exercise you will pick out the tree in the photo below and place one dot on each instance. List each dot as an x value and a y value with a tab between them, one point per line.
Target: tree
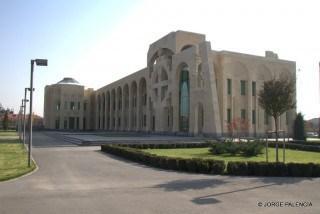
299	132
276	97
5	121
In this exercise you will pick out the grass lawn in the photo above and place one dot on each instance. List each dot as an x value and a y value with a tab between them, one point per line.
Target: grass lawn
291	155
8	133
13	159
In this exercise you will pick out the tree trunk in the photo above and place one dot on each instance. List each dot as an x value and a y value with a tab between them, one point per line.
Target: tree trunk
277	147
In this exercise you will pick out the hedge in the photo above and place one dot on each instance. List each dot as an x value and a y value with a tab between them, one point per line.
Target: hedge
273	169
196	165
209	166
296	146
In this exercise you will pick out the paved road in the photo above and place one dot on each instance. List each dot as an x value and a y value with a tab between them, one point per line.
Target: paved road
80	180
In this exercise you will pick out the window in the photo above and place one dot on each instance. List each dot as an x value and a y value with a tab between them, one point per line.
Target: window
84	106
253	116
243	87
144	120
57	123
229	115
58	106
65	105
243	114
184	99
253	88
78	105
266	118
229	86
72	107
145	99
65	123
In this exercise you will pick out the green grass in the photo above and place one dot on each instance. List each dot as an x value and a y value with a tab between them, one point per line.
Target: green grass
291	155
8	133
13	160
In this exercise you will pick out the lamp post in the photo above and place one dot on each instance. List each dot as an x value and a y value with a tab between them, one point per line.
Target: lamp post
24	114
39	62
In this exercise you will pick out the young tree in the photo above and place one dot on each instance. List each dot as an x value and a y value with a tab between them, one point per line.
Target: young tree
299	132
277	97
5	121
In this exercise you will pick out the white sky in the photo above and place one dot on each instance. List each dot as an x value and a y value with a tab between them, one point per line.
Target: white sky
289	28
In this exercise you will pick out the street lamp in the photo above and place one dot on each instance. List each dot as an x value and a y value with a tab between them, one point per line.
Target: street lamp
24	115
39	62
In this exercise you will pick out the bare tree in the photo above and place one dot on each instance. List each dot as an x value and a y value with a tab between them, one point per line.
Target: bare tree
277	97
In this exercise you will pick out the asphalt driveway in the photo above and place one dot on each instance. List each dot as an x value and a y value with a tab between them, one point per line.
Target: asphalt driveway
74	179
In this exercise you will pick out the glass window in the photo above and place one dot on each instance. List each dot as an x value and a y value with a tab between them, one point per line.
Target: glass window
72	106
229	115
253	88
243	87
58	106
243	114
229	86
78	105
253	116
184	100
84	106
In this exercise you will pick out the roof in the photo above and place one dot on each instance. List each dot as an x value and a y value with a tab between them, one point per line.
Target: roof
68	81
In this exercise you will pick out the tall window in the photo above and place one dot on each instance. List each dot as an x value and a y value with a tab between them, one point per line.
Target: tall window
243	114
243	87
253	116
58	106
184	100
253	88
85	106
72	106
229	86
78	105
229	115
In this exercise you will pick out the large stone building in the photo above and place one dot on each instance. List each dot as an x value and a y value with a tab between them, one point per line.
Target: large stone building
186	88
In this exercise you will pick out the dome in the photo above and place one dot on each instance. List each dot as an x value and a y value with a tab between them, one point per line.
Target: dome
68	81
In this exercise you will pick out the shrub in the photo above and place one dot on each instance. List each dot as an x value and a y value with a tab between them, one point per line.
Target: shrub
218	148
203	166
172	163
192	165
252	149
182	164
216	166
237	168
316	170
299	132
300	169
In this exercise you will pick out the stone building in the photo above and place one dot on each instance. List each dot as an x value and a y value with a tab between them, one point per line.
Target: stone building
67	105
186	88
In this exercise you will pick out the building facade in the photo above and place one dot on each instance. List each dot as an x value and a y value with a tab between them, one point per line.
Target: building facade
186	88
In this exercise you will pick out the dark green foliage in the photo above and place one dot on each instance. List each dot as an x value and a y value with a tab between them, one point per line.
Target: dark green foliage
237	168
252	149
5	121
214	166
245	149
299	132
298	146
300	169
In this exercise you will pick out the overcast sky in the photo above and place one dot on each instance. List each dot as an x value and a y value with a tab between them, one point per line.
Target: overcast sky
97	42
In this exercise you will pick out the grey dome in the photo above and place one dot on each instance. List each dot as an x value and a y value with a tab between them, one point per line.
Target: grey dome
69	81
